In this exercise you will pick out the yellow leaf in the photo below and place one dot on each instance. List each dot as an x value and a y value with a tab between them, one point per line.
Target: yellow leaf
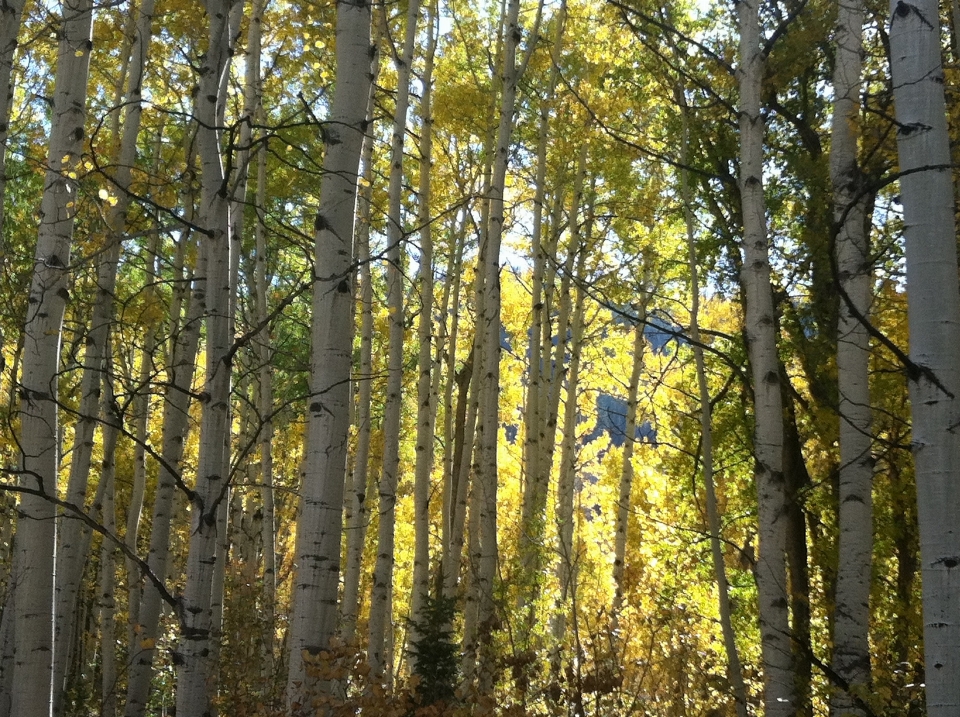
147	644
78	53
103	194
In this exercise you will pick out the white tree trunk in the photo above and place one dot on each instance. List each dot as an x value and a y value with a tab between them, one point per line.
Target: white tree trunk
108	557
36	532
760	327
361	483
460	475
734	668
383	573
75	536
319	530
195	675
625	499
489	356
566	485
11	13
268	529
536	479
454	418
176	426
851	655
426	371
7	643
934	318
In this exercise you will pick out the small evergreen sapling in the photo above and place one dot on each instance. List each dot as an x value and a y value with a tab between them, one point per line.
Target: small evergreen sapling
438	655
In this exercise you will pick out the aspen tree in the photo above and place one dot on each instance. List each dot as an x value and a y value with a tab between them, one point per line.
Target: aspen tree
361	483
383	573
319	529
489	329
195	690
467	475
141	406
268	527
454	419
11	12
426	370
108	552
7	654
625	499
187	305
182	358
851	654
233	233
734	668
34	559
74	538
933	297
536	476
760	328
566	486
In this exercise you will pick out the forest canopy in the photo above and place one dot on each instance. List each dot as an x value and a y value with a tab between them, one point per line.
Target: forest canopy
533	357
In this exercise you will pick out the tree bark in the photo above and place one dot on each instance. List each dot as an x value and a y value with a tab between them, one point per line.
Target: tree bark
176	423
196	686
566	485
851	653
734	668
778	675
11	13
36	532
537	476
934	319
315	587
426	397
383	573
361	484
454	417
625	500
108	554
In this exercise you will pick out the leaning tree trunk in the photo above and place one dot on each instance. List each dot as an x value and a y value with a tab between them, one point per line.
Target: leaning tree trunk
39	430
760	327
934	317
851	655
383	573
734	668
314	618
